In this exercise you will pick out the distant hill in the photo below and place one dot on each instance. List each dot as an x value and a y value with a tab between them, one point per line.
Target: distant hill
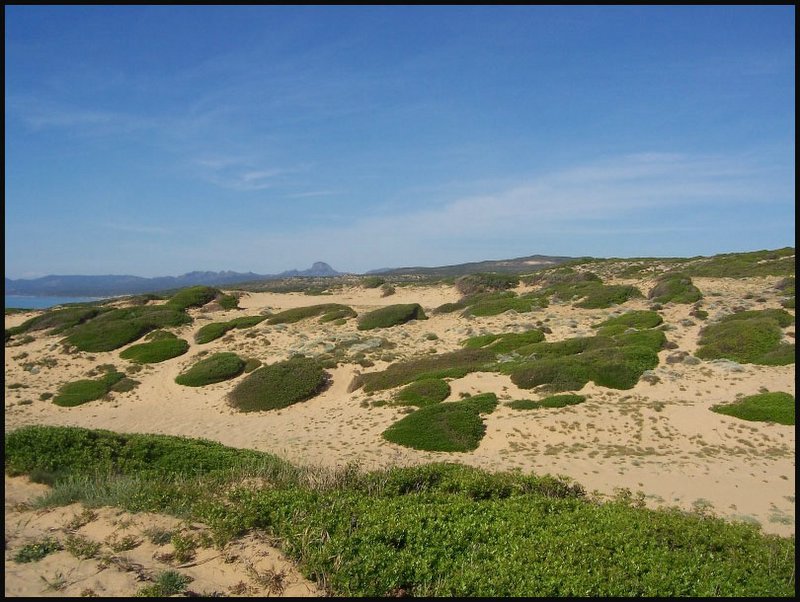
103	286
520	265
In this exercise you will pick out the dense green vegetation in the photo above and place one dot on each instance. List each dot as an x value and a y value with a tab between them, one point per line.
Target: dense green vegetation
212	369
301	313
625	347
675	288
446	427
431	530
228	301
778	262
373	281
553	401
485	282
279	385
215	330
391	315
493	304
56	320
750	337
591	294
764	407
504	343
193	296
639	319
424	392
81	391
164	346
454	364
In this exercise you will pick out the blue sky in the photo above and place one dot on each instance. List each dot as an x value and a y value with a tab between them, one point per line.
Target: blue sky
157	140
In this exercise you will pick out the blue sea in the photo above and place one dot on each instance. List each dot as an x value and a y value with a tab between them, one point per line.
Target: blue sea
28	302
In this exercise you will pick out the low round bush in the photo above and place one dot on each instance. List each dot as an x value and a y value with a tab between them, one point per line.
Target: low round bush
279	385
155	351
554	401
213	369
391	315
748	338
446	427
81	391
424	392
675	288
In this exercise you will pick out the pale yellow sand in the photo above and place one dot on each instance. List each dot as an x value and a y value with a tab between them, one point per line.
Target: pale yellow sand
660	438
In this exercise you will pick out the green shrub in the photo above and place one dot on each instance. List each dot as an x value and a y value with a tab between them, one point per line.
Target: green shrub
194	296
752	337
778	262
279	385
301	313
434	530
554	401
215	330
36	550
167	583
454	364
336	315
117	327
492	305
373	281
213	369
391	315
485	282
591	292
155	351
675	288
81	391
504	343
228	302
210	332
448	427
764	407
57	320
631	319
424	392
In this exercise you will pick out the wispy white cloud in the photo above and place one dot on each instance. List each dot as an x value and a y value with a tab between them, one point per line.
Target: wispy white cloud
238	173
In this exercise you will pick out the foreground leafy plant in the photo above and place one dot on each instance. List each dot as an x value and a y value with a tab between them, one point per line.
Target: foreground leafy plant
429	530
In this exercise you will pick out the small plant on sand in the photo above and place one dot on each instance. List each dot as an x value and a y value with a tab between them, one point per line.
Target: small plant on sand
38	549
166	584
81	547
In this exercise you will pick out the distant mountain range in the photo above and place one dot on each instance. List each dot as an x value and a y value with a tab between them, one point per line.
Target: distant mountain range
105	286
519	265
108	286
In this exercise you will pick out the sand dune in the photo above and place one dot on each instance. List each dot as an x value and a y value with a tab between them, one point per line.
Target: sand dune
658	438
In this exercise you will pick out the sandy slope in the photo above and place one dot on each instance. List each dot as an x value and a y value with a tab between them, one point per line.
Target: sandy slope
659	438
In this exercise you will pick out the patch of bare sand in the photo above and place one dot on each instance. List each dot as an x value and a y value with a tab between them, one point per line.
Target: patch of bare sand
132	551
660	438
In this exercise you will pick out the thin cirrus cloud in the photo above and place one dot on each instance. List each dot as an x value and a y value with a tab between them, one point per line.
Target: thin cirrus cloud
240	174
